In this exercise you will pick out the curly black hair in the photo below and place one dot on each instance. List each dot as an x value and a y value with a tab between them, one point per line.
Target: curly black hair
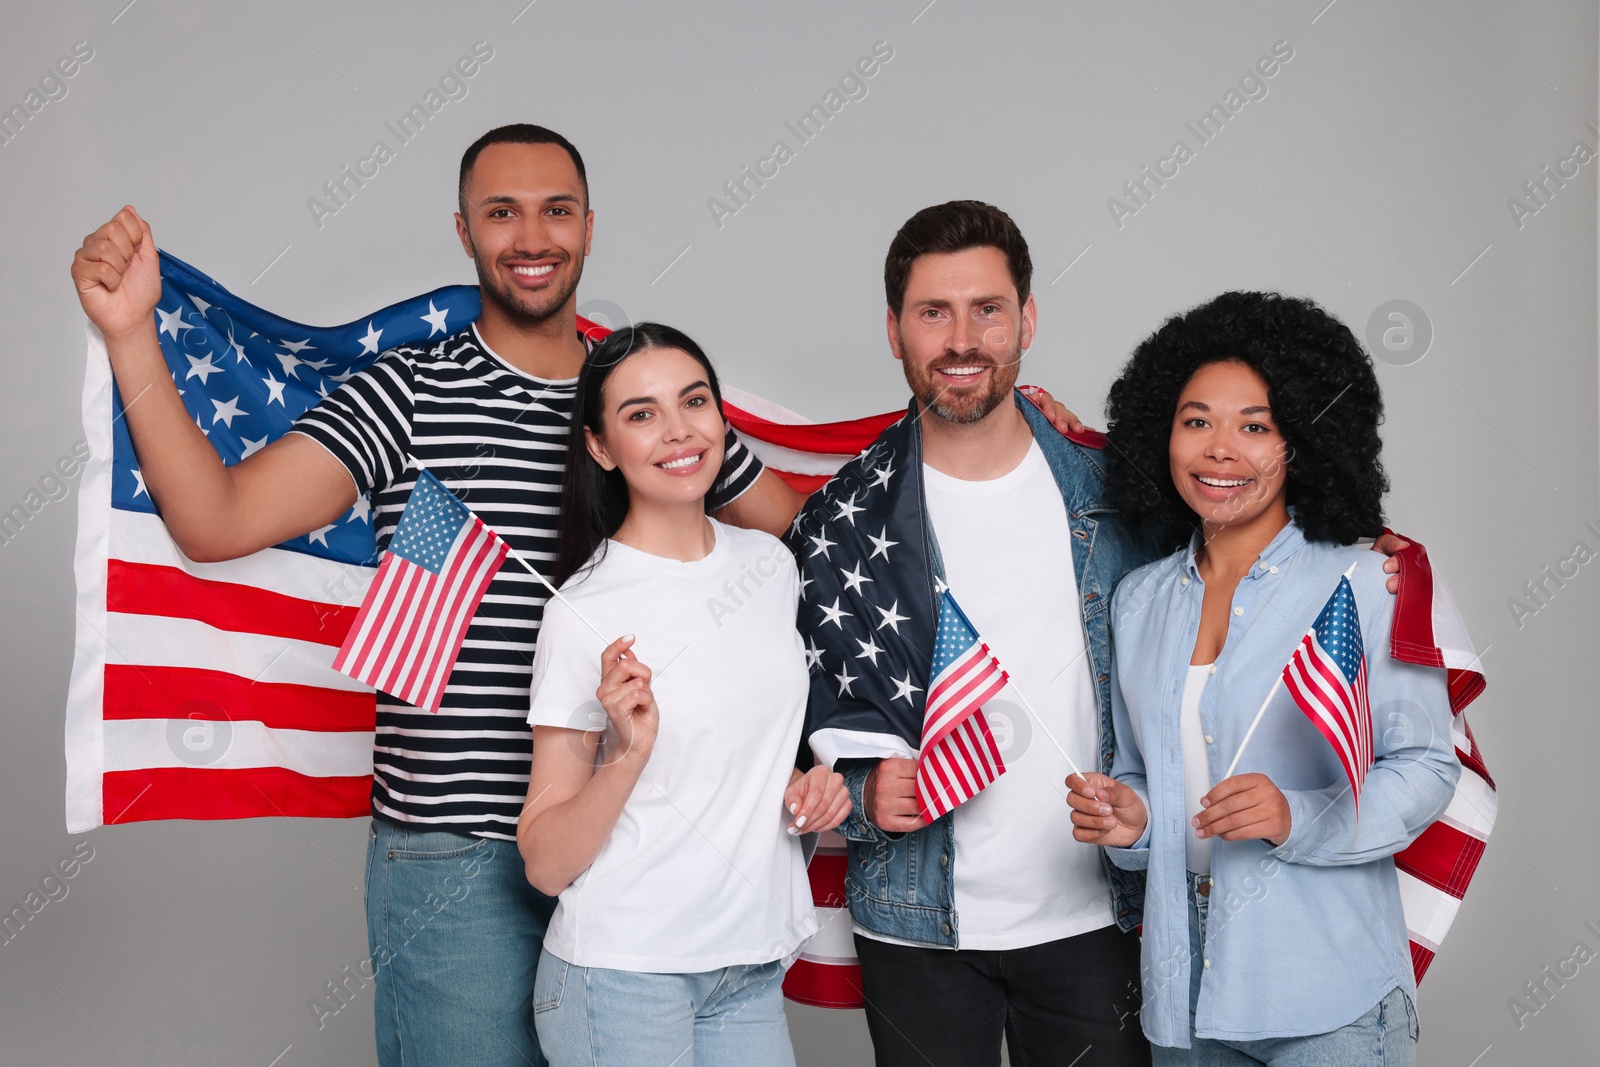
1324	398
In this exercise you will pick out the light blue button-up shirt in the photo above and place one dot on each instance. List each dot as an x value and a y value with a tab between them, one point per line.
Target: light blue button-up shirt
1306	937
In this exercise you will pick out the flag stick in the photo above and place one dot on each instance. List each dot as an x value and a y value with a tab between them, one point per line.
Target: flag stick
556	592
1253	724
531	569
1040	723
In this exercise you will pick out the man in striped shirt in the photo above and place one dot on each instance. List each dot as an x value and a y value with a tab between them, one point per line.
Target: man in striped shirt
454	927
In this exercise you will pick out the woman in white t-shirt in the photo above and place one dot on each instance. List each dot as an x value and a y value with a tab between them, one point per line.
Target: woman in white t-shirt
664	805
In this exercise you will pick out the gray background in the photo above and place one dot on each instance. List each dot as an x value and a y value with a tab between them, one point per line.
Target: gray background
1377	168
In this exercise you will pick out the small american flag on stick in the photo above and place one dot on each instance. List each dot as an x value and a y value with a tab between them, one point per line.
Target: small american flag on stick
438	565
959	755
1327	677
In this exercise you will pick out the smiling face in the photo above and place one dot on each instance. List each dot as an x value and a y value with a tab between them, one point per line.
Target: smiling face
660	426
961	332
1228	459
527	228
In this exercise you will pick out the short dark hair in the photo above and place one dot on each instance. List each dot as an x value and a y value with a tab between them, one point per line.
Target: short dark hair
1324	398
516	133
955	227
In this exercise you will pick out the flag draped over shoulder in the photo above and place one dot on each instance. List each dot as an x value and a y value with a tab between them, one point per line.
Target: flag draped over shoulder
1437	867
869	603
206	690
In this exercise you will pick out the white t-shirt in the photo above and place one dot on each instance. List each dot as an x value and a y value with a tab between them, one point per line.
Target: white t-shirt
1196	772
1020	878
699	872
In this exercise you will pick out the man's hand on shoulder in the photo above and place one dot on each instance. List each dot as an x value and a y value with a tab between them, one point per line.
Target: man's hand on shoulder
1060	416
1391	545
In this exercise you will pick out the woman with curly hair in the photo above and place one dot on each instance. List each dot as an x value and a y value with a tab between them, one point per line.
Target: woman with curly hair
1244	435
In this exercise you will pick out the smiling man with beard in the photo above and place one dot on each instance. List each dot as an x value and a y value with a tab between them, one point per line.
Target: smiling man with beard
989	919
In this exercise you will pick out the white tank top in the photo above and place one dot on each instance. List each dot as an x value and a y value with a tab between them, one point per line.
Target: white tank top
1196	772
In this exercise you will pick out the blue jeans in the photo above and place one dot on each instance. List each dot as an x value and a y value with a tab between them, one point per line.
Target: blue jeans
595	1017
1386	1036
455	932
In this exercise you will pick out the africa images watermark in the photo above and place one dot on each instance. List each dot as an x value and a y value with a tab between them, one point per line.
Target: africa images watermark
340	190
339	992
54	485
737	592
52	86
1540	591
1252	85
1552	978
1542	188
852	85
53	889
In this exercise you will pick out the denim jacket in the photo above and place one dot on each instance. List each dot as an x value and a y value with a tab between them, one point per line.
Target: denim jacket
903	885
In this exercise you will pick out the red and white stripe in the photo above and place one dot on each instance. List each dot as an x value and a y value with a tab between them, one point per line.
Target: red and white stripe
1336	707
969	682
959	754
827	973
1437	867
409	631
206	690
958	767
803	453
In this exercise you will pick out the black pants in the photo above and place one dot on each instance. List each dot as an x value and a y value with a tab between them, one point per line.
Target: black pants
1069	1002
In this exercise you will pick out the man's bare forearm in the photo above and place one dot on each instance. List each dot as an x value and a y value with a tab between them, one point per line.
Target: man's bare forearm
213	511
182	472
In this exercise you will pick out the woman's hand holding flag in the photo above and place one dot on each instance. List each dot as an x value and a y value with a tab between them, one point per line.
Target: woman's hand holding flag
1105	811
624	692
1242	808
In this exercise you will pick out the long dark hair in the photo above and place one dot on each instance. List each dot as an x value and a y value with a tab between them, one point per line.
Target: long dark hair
594	501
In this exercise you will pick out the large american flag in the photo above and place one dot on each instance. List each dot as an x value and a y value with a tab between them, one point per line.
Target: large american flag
1327	677
959	755
435	571
207	690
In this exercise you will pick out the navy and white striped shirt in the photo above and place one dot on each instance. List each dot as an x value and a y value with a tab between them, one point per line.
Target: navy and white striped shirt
497	438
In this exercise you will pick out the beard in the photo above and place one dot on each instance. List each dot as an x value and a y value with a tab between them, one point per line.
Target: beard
962	405
530	309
